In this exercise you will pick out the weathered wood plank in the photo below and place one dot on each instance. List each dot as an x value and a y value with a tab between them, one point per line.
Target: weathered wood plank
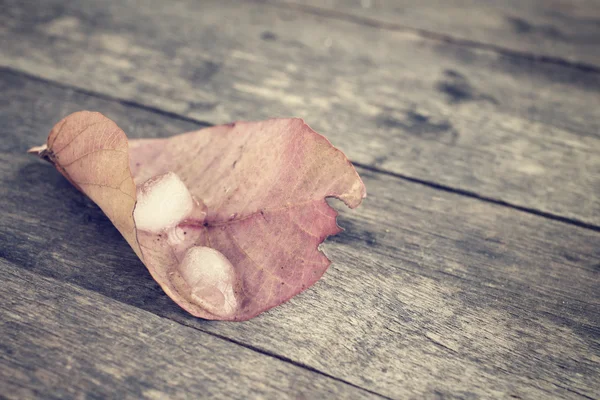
430	294
502	127
557	29
63	342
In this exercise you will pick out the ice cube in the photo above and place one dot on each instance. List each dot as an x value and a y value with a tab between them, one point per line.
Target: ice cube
212	279
162	203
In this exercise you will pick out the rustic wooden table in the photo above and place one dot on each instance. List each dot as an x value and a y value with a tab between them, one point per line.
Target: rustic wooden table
472	270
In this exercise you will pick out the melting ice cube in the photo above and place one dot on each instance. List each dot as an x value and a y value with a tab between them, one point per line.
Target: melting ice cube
162	203
212	278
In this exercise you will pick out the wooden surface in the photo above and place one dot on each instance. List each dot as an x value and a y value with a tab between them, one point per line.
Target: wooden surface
556	31
472	270
503	128
81	342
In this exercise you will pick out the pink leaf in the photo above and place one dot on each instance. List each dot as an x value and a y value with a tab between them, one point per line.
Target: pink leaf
227	219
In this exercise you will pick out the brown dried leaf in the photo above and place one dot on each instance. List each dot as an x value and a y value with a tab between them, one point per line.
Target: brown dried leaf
227	219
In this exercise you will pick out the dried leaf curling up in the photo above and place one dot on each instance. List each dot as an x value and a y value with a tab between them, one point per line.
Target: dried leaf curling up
227	219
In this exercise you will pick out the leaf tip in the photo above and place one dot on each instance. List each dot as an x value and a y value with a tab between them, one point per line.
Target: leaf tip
37	150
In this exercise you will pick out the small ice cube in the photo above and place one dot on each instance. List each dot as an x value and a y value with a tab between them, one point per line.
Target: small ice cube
212	278
162	203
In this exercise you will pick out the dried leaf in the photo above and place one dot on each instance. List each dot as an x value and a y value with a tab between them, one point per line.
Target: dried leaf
227	219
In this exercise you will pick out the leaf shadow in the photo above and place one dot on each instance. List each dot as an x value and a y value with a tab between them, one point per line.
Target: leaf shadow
63	235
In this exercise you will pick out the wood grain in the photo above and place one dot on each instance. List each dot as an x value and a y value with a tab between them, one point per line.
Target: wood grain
431	294
555	30
503	128
63	342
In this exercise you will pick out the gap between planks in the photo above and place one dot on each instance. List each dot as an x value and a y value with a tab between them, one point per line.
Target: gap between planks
430	35
433	185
